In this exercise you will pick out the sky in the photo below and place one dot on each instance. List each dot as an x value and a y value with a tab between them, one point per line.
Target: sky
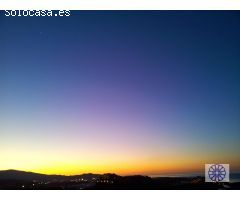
126	92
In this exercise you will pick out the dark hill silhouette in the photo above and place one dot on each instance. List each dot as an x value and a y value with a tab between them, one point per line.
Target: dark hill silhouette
22	175
13	179
29	176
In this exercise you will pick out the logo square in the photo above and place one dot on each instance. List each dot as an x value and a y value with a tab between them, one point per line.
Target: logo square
216	172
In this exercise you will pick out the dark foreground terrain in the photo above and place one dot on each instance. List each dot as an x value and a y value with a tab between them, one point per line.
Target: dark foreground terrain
12	179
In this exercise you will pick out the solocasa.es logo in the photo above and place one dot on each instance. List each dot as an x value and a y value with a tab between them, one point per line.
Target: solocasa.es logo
216	172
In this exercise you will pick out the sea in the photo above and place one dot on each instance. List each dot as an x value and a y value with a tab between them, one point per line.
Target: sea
234	177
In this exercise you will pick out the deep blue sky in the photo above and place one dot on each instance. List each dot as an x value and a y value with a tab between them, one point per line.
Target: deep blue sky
174	74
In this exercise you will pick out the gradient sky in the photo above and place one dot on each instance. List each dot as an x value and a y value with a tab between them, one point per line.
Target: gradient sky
129	92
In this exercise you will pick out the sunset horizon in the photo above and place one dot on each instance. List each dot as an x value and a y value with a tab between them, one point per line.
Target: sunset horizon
123	92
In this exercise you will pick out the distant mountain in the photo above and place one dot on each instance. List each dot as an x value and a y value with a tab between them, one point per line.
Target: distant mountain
30	176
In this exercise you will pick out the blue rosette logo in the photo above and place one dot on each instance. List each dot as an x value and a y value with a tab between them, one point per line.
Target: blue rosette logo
217	172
